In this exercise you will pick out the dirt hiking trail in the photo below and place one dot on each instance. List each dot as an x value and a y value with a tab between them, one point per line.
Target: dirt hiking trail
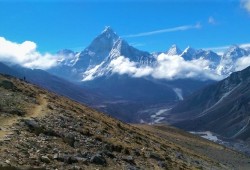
6	124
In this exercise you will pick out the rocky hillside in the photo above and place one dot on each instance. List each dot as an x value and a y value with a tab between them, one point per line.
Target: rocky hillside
39	129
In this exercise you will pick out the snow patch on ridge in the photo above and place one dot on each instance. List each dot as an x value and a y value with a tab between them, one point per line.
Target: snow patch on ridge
90	74
207	135
178	92
157	118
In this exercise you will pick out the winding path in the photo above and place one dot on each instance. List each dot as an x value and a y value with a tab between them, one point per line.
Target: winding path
6	124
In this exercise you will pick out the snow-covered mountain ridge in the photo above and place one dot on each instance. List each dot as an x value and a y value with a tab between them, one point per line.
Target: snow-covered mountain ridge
109	54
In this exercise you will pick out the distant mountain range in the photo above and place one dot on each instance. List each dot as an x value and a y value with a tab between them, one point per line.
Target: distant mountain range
135	80
98	59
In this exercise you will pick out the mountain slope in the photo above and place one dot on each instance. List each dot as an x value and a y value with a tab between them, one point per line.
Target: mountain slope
52	83
198	145
43	130
4	69
223	107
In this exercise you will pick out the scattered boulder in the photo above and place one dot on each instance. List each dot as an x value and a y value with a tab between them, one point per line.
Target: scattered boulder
155	156
85	154
136	152
17	112
129	159
7	162
45	159
51	132
126	151
34	126
69	139
82	160
179	155
162	164
109	154
108	147
131	167
59	157
117	148
31	123
98	159
71	160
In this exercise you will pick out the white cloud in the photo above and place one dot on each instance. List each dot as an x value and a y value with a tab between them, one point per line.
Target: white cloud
211	20
174	67
247	45
246	5
122	65
174	29
242	63
25	54
167	67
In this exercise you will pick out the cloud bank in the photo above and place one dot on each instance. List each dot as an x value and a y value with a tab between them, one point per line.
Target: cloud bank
25	54
173	67
122	65
242	63
167	67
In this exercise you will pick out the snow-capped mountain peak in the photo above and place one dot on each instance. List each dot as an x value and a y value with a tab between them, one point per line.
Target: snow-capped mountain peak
234	52
189	50
229	58
109	33
188	53
98	49
174	50
208	55
104	41
94	61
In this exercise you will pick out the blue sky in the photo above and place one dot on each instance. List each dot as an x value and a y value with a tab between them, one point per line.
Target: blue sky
148	25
